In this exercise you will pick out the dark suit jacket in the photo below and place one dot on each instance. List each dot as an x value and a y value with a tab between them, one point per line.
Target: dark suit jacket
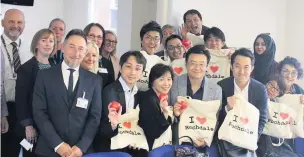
25	82
107	78
151	119
113	92
257	96
160	53
56	120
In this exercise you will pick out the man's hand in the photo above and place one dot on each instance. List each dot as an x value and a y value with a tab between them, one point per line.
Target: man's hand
76	152
64	150
31	134
230	102
114	116
184	31
4	125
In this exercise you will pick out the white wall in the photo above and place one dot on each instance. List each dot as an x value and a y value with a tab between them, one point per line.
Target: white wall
240	20
295	31
36	17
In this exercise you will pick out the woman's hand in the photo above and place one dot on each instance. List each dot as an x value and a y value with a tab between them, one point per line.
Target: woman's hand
114	116
164	104
199	142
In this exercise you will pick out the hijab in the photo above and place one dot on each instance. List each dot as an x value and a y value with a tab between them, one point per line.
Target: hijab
264	61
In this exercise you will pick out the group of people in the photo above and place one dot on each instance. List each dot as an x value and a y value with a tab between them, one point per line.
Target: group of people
59	100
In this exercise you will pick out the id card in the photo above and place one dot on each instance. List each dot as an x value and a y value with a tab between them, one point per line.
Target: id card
102	70
26	145
82	103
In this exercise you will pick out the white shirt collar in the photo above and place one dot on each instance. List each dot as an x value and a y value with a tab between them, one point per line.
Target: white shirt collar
64	66
237	88
8	41
125	86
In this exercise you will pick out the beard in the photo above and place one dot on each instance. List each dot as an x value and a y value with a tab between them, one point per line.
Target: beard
15	33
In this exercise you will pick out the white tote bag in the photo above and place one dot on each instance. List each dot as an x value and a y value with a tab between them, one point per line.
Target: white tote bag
166	137
129	133
179	66
219	65
143	82
240	126
280	120
199	119
293	100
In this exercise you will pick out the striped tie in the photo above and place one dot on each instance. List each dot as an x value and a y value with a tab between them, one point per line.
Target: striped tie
16	58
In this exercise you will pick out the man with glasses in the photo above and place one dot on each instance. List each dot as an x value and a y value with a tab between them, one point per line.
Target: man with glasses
174	47
195	85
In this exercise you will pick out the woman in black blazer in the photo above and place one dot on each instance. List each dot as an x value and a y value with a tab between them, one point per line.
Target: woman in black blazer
96	33
43	46
153	114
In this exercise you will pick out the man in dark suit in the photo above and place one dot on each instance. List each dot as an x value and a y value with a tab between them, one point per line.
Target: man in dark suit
242	62
67	103
124	91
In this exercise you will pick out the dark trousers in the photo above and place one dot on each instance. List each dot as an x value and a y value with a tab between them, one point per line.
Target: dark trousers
10	146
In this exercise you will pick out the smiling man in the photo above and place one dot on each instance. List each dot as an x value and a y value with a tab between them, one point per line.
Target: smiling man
67	103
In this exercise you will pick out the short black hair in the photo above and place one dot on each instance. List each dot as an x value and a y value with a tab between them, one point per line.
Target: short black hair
198	49
293	62
140	59
280	81
192	11
88	28
216	32
77	32
243	52
173	36
157	71
151	26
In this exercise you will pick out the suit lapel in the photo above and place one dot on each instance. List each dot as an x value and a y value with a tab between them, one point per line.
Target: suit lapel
182	83
207	92
121	97
250	92
61	86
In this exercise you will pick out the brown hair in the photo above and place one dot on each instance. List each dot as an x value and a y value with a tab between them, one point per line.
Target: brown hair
43	33
111	32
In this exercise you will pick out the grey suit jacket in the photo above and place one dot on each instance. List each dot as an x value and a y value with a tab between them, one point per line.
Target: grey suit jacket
212	91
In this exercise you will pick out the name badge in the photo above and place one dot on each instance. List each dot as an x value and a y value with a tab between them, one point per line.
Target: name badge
102	70
82	102
26	145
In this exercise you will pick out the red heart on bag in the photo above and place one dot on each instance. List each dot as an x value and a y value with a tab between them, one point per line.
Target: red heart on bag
214	68
284	115
244	120
127	124
178	70
201	120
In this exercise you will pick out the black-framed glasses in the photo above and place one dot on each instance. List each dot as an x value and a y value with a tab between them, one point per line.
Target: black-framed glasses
292	73
92	36
172	48
110	41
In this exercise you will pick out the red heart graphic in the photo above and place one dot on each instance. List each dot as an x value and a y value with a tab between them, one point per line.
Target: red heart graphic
244	120
201	120
127	125
214	68
284	115
178	70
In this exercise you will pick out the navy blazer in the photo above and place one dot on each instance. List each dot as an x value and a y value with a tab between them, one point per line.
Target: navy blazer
257	96
113	92
57	120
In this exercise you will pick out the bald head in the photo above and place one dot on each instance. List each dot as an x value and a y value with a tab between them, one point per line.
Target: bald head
13	23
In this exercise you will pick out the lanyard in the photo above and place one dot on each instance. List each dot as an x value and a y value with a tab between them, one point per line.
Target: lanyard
9	56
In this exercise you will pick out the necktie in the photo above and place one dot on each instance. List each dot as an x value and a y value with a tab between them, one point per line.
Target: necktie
16	58
70	86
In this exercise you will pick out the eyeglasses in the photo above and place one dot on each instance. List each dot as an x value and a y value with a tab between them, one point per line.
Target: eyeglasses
110	41
92	36
271	85
172	48
155	39
292	73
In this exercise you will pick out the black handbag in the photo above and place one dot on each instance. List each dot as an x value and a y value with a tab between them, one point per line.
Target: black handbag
188	152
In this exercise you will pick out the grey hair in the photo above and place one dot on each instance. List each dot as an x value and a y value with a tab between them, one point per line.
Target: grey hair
168	26
56	19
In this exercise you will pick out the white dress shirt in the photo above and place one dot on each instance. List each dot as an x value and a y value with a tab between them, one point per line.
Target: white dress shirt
66	75
238	90
129	94
9	80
